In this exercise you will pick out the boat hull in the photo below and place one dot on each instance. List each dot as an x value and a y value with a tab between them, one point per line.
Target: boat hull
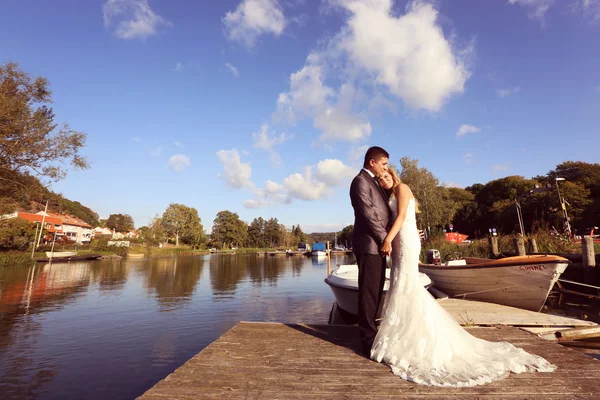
345	287
319	253
522	282
58	254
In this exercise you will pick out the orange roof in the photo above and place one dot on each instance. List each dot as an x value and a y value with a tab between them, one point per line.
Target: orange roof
38	218
70	220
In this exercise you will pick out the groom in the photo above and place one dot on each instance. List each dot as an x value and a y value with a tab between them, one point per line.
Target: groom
371	219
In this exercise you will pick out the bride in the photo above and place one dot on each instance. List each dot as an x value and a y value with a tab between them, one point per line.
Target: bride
417	338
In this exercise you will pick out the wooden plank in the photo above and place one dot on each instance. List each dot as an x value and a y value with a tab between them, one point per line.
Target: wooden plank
279	361
469	312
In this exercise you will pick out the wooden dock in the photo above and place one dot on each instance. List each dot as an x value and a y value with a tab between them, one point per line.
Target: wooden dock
255	360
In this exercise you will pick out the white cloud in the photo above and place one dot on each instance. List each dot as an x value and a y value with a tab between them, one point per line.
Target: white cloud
466	129
339	123
132	19
508	91
310	97
538	8
179	161
178	67
333	227
407	54
178	144
589	9
357	155
234	70
254	203
136	139
236	173
157	151
266	141
452	185
273	187
305	187
598	88
252	19
334	172
500	167
468	157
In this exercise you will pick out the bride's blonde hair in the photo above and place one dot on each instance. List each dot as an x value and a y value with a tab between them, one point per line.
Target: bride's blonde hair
397	182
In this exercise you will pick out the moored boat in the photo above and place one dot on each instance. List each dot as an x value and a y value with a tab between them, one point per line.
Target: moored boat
86	257
58	254
344	285
522	281
319	249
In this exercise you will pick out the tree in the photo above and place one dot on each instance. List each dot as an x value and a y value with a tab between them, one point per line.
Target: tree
434	200
272	233
228	230
120	222
183	222
345	236
256	237
29	138
15	234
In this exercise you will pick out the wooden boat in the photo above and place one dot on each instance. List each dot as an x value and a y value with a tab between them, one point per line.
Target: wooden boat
57	254
86	257
522	281
344	285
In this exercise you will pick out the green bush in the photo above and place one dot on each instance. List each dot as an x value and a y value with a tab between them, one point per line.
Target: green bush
16	234
12	259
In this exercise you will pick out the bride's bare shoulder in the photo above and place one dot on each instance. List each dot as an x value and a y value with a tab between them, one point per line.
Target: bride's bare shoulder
404	190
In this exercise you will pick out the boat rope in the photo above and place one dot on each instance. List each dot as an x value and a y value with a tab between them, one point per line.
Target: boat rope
579	283
463	295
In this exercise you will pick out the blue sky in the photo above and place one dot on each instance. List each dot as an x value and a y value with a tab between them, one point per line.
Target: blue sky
265	107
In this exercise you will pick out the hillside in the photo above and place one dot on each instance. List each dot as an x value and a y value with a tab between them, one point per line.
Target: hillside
22	192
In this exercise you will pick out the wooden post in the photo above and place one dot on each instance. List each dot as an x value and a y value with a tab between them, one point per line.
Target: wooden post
493	240
587	249
533	246
328	259
519	244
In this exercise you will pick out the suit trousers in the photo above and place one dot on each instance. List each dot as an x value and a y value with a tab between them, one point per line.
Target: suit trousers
371	277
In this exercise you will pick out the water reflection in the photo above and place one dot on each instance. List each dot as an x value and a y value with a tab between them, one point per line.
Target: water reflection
173	280
98	330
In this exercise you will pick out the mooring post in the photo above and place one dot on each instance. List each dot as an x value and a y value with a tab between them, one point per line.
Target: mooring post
328	259
533	246
520	245
493	241
587	250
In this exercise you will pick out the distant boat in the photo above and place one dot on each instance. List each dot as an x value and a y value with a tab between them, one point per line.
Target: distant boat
86	257
319	249
344	285
522	281
58	254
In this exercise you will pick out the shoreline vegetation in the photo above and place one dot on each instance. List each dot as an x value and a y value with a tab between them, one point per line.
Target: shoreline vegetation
479	248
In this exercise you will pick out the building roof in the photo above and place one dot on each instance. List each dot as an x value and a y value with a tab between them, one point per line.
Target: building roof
68	220
56	223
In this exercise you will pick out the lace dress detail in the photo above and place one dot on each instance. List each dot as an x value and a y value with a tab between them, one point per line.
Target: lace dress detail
422	342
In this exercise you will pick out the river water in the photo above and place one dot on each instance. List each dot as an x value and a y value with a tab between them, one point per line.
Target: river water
112	329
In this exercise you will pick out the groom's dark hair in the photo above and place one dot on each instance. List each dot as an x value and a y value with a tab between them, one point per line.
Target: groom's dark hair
374	153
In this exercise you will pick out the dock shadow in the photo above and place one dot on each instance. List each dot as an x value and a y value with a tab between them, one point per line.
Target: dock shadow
340	335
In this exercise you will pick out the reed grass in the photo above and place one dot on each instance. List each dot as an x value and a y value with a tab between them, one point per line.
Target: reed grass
15	259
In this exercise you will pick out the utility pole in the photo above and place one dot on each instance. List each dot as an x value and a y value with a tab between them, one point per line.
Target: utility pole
42	226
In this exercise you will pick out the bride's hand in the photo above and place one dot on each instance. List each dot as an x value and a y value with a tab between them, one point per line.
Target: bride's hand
386	247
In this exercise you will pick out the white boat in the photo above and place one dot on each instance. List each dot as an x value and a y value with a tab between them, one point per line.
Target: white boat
58	254
522	281
344	285
319	253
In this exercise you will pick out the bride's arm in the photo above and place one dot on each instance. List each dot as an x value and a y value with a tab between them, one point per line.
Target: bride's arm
403	195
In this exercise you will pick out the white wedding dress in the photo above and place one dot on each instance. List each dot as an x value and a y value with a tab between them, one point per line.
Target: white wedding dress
422	342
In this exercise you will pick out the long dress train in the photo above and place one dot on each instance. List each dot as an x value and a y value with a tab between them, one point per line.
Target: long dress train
422	342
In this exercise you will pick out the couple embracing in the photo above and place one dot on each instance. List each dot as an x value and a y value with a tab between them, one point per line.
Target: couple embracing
417	338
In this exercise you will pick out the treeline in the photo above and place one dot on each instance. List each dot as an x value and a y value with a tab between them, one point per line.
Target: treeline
479	207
